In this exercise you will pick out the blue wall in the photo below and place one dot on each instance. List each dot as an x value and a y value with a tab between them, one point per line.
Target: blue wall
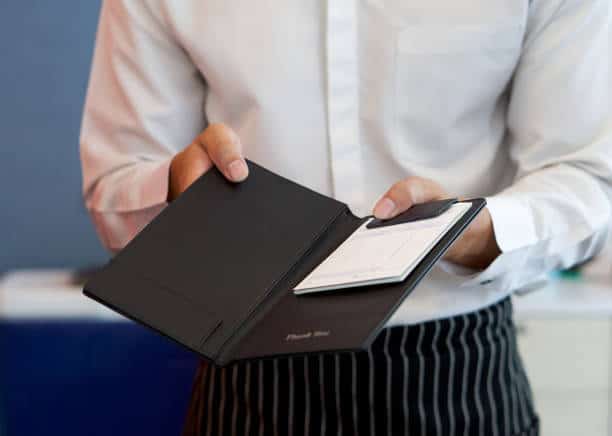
134	381
45	53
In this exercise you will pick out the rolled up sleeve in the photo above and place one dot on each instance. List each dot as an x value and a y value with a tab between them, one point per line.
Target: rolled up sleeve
144	104
557	211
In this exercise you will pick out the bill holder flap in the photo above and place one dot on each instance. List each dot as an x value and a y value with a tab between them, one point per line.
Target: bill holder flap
162	309
220	246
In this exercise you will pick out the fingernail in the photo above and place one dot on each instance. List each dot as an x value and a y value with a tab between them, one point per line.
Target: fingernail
238	170
384	208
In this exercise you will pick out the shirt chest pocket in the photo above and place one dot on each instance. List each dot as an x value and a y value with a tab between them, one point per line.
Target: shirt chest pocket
448	79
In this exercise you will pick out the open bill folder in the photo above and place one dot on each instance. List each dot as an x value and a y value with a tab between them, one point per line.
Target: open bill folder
218	270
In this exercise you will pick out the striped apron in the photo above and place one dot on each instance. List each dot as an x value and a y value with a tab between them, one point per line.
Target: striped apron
455	376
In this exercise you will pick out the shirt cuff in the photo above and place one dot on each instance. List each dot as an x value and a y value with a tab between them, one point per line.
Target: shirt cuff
458	270
514	231
155	185
134	188
512	223
498	269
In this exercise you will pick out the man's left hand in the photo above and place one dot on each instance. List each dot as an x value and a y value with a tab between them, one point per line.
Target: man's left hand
475	248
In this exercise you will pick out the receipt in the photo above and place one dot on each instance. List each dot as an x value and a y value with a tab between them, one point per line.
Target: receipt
380	255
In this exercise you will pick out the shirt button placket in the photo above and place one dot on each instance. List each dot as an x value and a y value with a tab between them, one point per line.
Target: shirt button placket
343	102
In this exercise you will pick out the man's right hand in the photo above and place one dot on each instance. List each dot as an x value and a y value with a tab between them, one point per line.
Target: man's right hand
217	145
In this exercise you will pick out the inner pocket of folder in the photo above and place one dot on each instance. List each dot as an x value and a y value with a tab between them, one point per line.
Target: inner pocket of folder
164	308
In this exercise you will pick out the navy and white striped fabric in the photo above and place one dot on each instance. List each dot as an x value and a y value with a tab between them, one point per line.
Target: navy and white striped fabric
455	376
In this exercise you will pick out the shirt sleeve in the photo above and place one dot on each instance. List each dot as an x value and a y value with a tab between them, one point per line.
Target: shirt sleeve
556	212
144	104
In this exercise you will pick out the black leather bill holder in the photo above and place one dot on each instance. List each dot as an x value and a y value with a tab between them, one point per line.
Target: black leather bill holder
220	281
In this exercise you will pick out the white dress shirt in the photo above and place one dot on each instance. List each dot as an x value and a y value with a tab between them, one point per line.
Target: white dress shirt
507	99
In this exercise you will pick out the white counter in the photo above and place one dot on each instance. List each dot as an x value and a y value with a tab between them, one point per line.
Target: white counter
47	294
51	294
567	298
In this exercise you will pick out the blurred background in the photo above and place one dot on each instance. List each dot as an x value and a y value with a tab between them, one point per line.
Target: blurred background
70	367
66	366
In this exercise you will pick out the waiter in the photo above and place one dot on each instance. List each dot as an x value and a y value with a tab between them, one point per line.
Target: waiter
381	104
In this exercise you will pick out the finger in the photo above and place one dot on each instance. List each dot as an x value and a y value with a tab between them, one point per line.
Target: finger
405	193
196	162
186	168
225	150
